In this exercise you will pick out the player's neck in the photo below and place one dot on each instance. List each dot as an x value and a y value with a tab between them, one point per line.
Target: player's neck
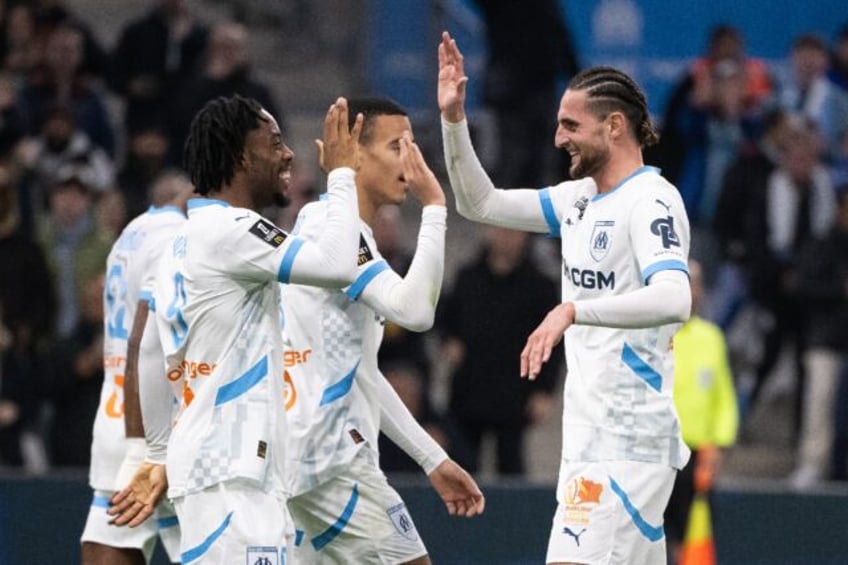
236	195
367	208
619	168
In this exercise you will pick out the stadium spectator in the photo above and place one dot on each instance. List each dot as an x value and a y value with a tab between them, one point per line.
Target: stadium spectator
28	304
808	91
823	291
154	57
146	159
496	301
530	54
838	72
706	403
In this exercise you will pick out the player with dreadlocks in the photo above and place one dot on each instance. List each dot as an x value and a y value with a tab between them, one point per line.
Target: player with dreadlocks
217	315
625	292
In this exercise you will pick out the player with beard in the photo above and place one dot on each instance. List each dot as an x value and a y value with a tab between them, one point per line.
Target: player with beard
216	300
625	244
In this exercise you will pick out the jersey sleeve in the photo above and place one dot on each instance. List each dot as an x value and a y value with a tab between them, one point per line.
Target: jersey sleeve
155	395
409	301
659	232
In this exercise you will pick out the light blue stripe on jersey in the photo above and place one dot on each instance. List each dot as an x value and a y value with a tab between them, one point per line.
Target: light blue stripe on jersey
320	541
167	522
244	383
642	369
355	289
195	203
668	265
100	502
653	533
548	211
639	171
284	272
340	388
198	551
147	296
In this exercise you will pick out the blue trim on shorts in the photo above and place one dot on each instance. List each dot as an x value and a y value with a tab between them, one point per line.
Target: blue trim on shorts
244	383
653	533
667	265
284	272
358	286
340	388
548	211
167	522
198	551
320	541
100	501
644	371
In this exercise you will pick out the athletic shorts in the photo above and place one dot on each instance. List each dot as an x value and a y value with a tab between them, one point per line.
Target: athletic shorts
610	512
232	522
355	517
163	524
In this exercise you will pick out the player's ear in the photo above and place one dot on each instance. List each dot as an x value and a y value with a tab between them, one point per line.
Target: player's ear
617	124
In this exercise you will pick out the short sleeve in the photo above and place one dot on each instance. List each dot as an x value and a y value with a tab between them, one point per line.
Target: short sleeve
259	250
659	231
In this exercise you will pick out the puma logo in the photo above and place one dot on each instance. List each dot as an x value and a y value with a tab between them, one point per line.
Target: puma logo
664	205
576	536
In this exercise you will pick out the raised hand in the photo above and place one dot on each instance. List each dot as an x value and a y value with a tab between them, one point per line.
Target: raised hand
452	80
340	146
457	489
544	338
138	500
421	180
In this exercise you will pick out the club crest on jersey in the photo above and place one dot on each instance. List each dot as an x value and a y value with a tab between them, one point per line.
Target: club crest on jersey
268	232
601	239
402	521
262	555
365	254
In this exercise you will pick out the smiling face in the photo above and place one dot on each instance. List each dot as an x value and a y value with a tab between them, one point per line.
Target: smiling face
380	177
582	134
268	164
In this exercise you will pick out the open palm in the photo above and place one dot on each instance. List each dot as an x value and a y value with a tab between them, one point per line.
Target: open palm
452	79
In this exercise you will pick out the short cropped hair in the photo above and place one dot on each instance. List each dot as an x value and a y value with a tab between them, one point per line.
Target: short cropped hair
370	108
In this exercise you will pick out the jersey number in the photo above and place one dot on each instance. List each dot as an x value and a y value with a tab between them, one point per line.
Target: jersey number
116	310
179	327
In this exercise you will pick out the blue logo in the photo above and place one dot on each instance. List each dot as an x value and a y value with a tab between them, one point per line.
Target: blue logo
664	227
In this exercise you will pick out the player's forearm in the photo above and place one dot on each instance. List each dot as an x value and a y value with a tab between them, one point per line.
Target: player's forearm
666	300
330	261
403	430
476	196
411	301
155	396
133	424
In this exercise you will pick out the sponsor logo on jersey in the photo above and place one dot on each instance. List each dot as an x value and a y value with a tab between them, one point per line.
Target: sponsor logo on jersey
268	232
356	436
664	227
576	535
590	279
289	391
293	357
402	521
261	449
601	239
581	497
365	253
191	369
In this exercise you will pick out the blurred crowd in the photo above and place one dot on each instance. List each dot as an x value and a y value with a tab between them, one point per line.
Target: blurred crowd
760	155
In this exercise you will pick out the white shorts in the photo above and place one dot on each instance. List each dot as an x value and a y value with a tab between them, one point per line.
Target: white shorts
355	517
232	522
610	512
163	523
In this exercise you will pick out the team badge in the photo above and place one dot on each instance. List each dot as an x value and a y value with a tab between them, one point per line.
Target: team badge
601	239
268	232
402	521
263	555
582	495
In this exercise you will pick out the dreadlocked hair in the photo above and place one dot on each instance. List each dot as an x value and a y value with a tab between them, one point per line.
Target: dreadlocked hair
610	90
215	143
370	108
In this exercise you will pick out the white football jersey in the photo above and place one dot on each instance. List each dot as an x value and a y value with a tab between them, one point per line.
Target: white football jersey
618	393
217	310
331	341
131	261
